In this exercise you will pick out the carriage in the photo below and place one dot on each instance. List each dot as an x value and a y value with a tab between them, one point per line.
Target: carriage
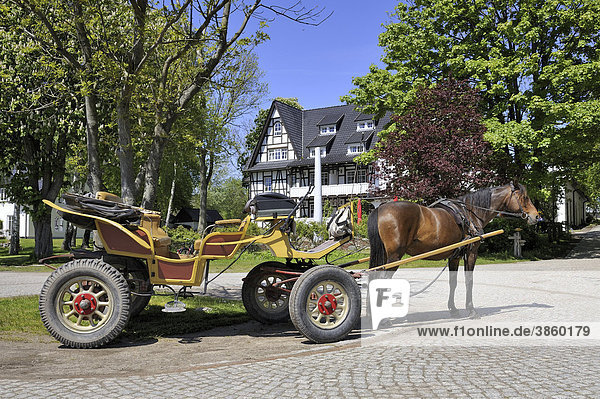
88	301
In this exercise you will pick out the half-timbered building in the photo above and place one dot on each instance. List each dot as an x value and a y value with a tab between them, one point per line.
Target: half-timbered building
283	162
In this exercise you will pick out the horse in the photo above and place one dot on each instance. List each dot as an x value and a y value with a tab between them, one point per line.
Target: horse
398	228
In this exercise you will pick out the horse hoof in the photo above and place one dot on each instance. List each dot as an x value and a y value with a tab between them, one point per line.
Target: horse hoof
474	315
454	313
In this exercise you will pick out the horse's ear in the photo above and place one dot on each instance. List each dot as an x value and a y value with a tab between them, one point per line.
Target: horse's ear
514	183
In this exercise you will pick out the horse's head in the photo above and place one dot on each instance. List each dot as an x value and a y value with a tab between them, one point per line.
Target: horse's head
520	203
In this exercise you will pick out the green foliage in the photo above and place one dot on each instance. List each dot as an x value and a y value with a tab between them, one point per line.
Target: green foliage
227	196
535	63
314	232
182	238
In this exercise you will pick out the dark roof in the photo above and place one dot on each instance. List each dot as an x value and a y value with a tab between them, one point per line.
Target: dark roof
321	140
360	137
331	119
291	117
192	215
302	127
364	117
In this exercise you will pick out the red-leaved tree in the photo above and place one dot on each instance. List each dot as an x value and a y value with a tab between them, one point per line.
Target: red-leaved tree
437	149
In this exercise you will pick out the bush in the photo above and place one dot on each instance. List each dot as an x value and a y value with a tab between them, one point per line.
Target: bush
312	231
502	243
182	237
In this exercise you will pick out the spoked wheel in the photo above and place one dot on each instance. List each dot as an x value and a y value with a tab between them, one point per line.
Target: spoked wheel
85	303
325	304
263	301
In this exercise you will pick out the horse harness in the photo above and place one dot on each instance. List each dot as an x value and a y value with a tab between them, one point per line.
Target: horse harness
460	213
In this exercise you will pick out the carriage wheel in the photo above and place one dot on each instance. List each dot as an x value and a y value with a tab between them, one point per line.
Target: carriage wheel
325	304
85	303
262	301
139	283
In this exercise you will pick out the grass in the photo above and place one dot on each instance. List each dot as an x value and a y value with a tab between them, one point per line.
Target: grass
250	259
25	256
20	315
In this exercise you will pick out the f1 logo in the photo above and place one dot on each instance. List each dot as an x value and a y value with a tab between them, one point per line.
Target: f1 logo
388	299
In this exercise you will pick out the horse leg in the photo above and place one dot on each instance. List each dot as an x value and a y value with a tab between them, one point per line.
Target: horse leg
469	269
453	268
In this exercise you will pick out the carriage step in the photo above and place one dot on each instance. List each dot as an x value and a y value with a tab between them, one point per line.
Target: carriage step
174	307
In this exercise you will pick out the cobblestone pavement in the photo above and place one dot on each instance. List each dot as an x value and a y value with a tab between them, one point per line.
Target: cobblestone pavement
363	372
393	362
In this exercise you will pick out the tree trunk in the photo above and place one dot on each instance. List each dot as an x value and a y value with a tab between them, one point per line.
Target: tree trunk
15	231
85	243
202	194
43	236
169	208
152	167
91	129
69	233
125	150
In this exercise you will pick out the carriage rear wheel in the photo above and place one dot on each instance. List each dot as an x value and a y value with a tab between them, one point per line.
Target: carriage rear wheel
325	304
263	301
85	303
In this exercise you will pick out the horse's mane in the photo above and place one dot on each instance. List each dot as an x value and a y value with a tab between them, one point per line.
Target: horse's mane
480	198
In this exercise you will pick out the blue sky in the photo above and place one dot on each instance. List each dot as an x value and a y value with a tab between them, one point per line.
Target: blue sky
317	64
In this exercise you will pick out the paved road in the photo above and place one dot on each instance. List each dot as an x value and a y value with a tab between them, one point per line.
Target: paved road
393	362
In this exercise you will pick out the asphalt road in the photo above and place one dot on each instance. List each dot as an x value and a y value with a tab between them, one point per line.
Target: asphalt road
251	360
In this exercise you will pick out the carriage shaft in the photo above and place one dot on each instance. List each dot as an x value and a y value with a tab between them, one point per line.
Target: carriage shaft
437	251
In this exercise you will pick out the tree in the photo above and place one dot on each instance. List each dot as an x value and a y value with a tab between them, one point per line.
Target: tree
38	120
536	64
228	197
118	43
437	147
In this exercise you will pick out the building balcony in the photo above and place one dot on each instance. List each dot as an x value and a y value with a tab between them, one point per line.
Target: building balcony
332	190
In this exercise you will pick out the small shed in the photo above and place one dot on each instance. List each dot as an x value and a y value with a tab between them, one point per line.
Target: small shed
188	217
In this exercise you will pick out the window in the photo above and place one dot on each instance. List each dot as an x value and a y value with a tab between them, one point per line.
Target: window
312	152
362	176
356	148
277	128
325	178
366	125
328	129
278	154
268	184
350	176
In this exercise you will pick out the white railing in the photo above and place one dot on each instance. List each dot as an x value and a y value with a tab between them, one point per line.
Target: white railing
333	190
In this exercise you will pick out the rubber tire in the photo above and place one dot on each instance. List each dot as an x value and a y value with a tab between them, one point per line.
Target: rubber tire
299	297
139	303
113	281
249	296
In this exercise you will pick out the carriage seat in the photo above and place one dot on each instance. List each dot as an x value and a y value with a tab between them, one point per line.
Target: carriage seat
106	196
160	238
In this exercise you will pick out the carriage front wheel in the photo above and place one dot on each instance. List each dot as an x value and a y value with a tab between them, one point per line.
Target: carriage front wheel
325	304
85	303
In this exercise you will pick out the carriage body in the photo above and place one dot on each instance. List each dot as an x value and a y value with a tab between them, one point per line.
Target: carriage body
87	301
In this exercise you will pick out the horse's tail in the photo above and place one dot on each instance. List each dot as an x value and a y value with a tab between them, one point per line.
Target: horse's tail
378	257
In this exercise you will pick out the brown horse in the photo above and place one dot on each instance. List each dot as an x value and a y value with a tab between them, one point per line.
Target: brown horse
398	228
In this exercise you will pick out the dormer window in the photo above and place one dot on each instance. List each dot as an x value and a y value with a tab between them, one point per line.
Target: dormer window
277	128
329	129
356	148
365	125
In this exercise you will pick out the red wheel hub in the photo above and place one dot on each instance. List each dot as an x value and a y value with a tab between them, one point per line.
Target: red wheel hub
327	304
85	304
